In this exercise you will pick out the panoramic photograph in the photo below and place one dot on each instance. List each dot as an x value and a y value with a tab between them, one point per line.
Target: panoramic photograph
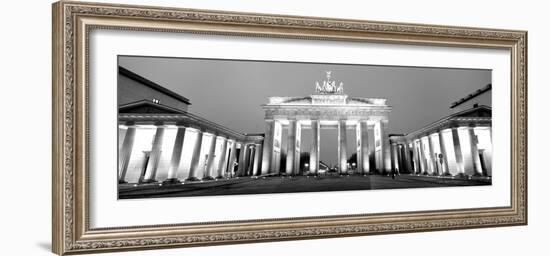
218	127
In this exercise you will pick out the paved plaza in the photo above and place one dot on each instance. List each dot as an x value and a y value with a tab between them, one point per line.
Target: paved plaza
282	184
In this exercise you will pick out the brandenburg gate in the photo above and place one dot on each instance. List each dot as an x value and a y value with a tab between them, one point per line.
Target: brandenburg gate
328	108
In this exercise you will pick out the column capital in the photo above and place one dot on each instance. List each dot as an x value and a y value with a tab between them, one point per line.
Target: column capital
195	128
221	137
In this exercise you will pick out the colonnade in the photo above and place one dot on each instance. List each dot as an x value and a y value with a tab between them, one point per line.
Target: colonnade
446	151
226	156
364	130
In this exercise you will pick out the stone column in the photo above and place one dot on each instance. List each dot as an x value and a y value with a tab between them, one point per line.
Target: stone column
247	157
433	160
121	136
371	160
393	154
176	156
151	171
397	158
250	160
443	148
257	156
195	158
146	157
126	153
408	160
458	151
423	159
232	158
291	147
267	153
416	164
223	158
476	162
342	146
277	147
242	160
297	149
365	166
385	144
314	154
400	158
211	157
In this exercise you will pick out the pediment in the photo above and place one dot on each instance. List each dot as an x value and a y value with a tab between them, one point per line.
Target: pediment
147	107
481	111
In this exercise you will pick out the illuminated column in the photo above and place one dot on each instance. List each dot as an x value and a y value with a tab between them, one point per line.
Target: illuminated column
176	156
476	162
248	157
151	171
250	160
277	148
291	147
385	144
314	154
268	146
443	148
257	157
297	150
211	157
415	158
232	158
458	151
399	156
424	159
371	148
342	146
365	165
407	156
125	153
393	157
489	155
195	157
242	160
223	157
433	160
121	135
146	157
363	147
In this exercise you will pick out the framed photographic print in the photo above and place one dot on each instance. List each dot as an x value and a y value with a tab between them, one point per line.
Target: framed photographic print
179	127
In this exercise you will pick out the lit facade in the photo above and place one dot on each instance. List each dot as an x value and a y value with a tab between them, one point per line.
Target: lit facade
327	108
160	141
457	145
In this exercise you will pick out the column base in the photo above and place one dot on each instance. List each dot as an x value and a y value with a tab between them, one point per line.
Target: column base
148	181
122	182
171	181
460	175
220	177
208	178
192	179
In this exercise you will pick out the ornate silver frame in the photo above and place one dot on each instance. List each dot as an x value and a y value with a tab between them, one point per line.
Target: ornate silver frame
72	21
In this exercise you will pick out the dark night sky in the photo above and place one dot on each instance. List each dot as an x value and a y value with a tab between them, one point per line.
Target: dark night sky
230	92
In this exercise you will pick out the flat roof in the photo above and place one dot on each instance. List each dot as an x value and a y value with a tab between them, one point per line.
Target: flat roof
127	73
471	95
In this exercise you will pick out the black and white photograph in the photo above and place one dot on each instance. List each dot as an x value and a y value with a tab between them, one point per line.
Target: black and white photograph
214	127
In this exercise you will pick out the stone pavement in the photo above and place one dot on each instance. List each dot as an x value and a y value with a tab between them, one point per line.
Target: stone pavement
281	184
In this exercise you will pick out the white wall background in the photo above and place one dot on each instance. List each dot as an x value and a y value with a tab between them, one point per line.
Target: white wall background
25	150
